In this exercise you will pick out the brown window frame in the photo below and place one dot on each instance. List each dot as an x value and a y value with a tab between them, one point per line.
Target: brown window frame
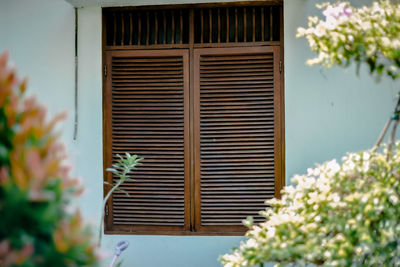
192	179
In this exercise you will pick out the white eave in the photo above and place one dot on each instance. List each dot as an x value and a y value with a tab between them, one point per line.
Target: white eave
108	3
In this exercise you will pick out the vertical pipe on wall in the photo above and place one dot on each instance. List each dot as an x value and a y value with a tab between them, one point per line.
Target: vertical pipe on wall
76	78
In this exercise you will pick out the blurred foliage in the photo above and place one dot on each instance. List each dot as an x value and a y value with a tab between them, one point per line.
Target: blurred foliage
36	228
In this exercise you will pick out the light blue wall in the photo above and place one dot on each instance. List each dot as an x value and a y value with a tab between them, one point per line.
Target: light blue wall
39	37
328	112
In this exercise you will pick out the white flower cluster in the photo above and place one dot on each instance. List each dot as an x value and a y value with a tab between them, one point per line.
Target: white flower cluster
337	215
364	35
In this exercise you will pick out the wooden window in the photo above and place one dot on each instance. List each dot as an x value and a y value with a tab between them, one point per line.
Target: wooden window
196	91
147	114
235	134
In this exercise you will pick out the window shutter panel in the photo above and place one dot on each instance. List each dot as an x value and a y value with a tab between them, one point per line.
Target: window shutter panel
237	134
146	98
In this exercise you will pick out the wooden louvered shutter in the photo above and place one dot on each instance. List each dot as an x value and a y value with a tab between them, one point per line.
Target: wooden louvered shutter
146	113
237	134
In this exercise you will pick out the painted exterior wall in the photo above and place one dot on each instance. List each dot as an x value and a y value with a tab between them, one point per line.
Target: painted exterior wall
328	112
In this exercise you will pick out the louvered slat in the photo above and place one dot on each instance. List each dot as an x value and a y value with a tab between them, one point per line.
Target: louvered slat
146	27
148	117
235	93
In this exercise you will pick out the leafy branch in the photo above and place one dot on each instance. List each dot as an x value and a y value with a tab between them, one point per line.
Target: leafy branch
120	169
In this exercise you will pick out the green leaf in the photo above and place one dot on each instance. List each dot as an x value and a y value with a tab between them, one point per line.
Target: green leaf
111	170
123	191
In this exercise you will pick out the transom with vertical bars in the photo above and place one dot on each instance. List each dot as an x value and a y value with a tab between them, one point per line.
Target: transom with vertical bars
197	90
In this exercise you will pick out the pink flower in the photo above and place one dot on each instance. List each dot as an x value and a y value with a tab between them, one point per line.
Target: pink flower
337	11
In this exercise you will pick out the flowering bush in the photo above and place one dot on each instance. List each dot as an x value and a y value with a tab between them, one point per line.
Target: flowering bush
338	215
35	186
365	35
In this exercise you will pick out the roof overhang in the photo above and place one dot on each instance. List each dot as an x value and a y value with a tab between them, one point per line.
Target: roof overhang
109	3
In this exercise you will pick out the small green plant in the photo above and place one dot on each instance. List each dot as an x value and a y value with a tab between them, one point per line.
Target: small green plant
120	169
36	228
